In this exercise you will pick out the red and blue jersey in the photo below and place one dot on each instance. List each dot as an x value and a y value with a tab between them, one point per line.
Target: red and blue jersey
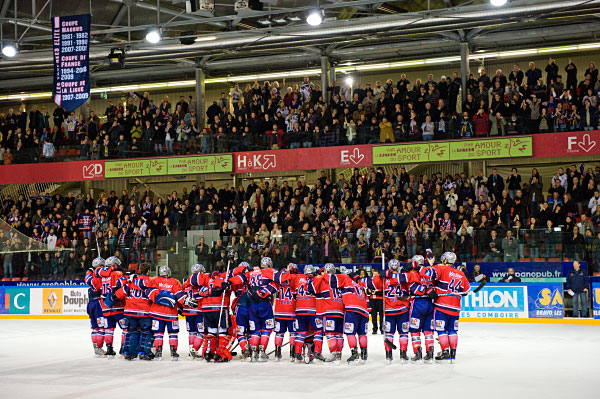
137	303
285	304
395	292
305	303
328	291
204	283
154	287
354	296
191	292
107	281
447	280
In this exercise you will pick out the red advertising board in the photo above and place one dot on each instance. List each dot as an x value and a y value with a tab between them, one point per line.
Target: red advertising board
303	159
566	144
52	172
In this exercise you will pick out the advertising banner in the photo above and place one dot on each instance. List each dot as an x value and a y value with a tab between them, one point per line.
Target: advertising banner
58	301
168	166
545	300
566	144
303	159
14	300
525	269
456	150
596	300
506	301
71	44
50	173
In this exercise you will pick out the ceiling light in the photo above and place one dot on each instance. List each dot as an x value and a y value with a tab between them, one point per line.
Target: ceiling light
205	38
279	20
498	3
264	21
315	17
9	49
293	18
349	81
153	35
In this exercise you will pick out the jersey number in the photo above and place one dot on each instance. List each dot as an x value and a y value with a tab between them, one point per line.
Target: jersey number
455	285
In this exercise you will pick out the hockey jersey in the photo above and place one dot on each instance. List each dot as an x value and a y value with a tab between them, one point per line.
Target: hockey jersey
327	290
136	300
354	296
305	303
447	280
154	287
107	281
257	280
191	292
205	283
395	292
285	303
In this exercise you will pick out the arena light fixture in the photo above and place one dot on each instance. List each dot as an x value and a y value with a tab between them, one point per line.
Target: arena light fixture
205	38
9	49
153	35
498	3
349	80
315	17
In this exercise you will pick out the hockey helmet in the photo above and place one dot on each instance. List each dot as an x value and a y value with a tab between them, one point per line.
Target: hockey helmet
164	271
394	265
292	268
419	259
198	268
113	261
448	258
329	268
266	263
99	261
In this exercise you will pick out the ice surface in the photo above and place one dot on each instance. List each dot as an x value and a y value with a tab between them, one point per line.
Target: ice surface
54	359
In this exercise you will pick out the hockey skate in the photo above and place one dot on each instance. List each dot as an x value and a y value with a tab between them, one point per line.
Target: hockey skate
192	355
247	354
429	356
334	358
278	353
292	354
262	356
389	357
254	356
443	356
363	355
452	355
318	357
174	354
158	353
418	357
110	353
99	352
354	357
403	357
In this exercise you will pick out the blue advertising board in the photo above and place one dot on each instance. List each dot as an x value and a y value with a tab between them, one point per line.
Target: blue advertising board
47	283
545	300
596	300
14	300
525	269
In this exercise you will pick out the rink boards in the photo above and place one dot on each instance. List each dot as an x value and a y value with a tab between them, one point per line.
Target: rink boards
496	302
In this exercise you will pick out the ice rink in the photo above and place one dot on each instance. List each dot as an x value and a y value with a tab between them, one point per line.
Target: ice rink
54	359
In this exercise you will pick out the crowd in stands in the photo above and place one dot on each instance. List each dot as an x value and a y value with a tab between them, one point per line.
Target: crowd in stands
357	218
268	116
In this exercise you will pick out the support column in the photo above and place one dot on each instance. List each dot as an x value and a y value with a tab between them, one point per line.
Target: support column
464	67
200	100
325	77
332	74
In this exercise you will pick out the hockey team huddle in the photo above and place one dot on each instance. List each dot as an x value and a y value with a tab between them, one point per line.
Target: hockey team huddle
249	303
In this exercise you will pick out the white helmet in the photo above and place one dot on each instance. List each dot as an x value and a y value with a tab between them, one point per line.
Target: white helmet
112	261
308	269
99	261
394	265
419	259
266	263
330	268
164	271
198	268
448	258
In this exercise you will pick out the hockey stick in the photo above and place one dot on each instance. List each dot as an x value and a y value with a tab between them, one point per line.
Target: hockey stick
273	351
479	287
223	300
385	339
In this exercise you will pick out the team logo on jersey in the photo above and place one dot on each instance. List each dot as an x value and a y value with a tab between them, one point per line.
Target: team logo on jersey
415	323
349	328
53	302
440	325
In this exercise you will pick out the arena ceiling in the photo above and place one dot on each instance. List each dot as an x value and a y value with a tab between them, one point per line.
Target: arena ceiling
230	41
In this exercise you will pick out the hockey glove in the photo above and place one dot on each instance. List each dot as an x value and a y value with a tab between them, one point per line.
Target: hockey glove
132	277
110	300
431	293
190	302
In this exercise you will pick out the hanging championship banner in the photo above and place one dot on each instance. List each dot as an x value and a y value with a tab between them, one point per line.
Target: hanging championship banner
70	42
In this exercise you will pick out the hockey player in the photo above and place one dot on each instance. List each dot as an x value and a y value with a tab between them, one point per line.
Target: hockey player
94	309
214	290
110	278
240	311
285	316
307	322
395	292
261	288
165	292
193	315
137	307
421	310
356	317
330	307
449	284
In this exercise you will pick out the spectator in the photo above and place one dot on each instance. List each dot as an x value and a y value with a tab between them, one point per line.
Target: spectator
510	277
577	286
